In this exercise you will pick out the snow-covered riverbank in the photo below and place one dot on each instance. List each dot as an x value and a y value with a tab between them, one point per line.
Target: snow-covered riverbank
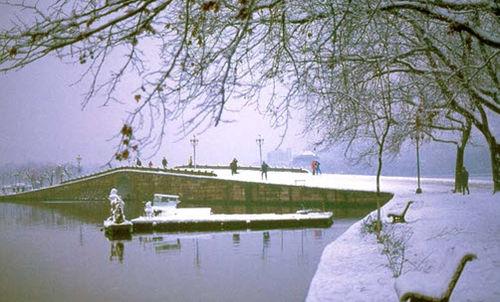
353	267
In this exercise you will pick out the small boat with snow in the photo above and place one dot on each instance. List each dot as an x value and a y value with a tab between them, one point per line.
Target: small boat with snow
165	205
162	214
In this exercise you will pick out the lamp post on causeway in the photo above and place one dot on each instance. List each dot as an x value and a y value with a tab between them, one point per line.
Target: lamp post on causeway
194	141
16	181
417	141
60	172
78	164
260	142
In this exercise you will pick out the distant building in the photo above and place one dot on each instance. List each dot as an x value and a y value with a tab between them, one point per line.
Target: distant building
304	159
279	158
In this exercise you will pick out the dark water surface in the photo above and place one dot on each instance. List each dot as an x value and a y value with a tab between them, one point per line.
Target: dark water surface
57	252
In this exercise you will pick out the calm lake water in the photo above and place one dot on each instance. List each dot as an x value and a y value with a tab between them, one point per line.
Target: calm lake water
57	252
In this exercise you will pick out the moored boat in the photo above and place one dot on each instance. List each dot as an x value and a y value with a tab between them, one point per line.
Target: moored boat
162	214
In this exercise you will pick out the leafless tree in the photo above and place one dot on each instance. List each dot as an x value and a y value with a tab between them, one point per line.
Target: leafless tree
196	60
456	66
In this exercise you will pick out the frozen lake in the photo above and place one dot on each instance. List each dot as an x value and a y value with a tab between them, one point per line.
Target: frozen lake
57	252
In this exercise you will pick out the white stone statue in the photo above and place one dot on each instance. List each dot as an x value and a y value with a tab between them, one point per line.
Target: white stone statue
117	206
148	209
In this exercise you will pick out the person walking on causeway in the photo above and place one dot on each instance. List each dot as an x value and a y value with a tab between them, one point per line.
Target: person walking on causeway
264	167
234	166
318	170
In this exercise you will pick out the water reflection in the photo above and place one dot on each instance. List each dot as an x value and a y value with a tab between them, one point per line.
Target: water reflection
197	259
269	265
266	239
168	246
160	244
318	234
236	240
117	251
173	243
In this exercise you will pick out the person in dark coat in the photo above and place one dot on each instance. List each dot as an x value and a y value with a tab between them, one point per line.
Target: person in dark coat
465	181
164	162
318	170
138	162
263	168
234	166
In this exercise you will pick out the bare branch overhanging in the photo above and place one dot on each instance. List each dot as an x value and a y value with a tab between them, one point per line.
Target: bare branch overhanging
211	54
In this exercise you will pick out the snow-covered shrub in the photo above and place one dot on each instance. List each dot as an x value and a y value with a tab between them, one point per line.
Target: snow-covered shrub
394	239
369	225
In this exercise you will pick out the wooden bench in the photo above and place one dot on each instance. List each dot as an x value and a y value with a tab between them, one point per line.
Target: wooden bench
401	217
418	286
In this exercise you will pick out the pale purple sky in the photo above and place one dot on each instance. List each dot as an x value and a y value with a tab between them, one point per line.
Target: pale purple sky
43	121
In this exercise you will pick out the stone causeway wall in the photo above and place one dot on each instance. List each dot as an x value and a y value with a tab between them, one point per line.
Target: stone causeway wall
141	184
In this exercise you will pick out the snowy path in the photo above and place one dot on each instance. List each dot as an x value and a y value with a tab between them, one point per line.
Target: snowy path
353	268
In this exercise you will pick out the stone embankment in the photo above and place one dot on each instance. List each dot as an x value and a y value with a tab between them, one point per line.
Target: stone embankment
141	183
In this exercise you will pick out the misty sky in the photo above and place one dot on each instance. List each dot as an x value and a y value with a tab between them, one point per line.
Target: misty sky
43	121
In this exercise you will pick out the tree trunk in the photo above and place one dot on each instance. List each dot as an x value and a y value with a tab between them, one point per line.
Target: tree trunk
459	163
495	164
494	156
379	171
494	151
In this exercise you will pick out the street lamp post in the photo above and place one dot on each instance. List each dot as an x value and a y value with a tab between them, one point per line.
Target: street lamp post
419	190
16	181
60	171
194	141
78	161
417	140
260	142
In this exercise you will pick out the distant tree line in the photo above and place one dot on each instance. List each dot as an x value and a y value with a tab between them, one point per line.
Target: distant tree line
36	175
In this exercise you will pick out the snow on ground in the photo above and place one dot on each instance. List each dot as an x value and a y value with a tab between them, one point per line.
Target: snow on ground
405	185
353	267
